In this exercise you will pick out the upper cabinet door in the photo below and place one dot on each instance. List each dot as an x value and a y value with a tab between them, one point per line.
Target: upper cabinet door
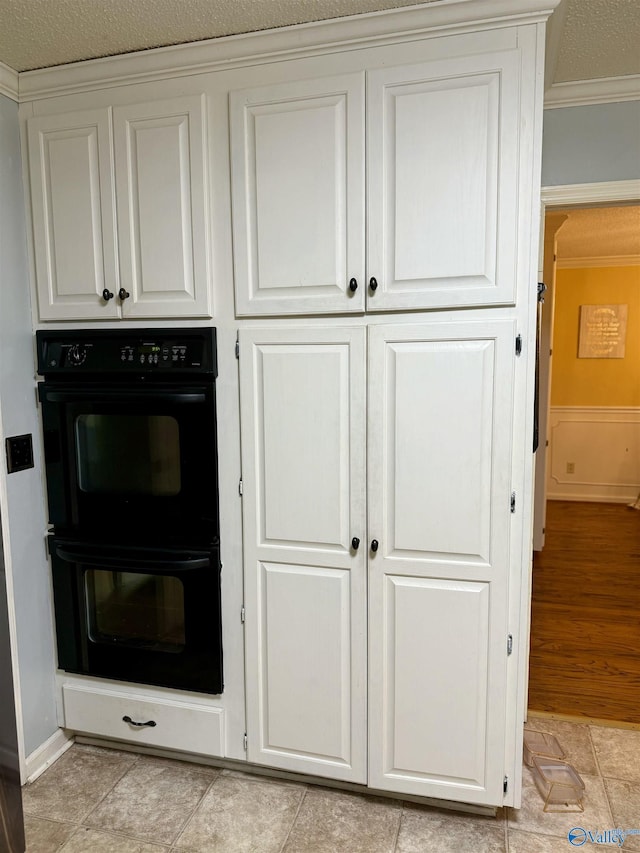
442	183
297	172
160	154
71	171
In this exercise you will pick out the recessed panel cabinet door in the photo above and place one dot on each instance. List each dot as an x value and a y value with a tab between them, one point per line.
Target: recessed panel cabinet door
297	171
71	173
160	152
442	144
440	400
303	468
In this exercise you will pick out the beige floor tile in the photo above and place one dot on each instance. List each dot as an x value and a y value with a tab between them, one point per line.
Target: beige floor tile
239	815
574	739
91	841
423	830
153	801
260	777
74	785
533	842
618	752
330	821
531	817
45	836
625	805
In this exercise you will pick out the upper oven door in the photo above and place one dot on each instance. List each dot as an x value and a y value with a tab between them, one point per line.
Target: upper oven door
132	462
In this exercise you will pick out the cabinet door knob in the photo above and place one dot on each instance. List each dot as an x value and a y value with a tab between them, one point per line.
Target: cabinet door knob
374	545
123	294
373	284
355	543
353	285
107	295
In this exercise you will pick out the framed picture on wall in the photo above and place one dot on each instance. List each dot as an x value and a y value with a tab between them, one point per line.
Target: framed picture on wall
603	331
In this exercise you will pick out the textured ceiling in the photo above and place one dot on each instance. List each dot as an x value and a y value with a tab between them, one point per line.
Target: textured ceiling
599	232
600	38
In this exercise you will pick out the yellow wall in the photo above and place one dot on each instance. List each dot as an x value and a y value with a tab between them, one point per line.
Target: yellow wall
595	381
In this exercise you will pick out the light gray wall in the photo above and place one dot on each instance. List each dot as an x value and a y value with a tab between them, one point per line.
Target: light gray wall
584	145
25	503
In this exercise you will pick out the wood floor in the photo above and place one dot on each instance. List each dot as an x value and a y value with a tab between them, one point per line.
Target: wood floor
585	620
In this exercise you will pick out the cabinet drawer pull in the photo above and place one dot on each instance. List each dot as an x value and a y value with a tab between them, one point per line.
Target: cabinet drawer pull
107	295
353	285
150	723
373	284
123	294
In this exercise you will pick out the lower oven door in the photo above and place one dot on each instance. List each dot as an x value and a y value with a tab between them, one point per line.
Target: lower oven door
143	615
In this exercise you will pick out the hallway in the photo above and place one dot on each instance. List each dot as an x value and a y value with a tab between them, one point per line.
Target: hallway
585	621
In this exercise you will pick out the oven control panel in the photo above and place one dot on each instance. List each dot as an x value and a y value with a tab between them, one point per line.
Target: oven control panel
154	351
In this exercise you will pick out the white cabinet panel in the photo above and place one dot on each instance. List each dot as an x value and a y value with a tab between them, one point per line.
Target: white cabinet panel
160	152
305	637
303	468
298	196
71	172
442	182
439	443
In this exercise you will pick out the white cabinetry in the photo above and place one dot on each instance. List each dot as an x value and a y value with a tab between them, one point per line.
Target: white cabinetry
441	206
143	166
303	426
438	492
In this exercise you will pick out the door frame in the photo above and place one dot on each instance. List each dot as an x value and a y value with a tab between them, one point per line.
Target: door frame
601	193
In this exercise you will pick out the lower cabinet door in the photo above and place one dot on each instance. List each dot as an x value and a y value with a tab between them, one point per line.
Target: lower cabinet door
439	445
303	468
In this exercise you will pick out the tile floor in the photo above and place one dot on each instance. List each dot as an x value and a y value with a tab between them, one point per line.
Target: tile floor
95	800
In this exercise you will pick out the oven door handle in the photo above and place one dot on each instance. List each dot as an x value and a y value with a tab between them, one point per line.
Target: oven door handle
145	394
137	565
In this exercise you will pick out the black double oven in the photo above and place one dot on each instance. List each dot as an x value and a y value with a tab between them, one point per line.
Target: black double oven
129	426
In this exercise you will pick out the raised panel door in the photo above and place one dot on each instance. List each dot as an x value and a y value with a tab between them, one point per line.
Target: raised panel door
303	468
439	444
297	171
442	213
160	156
71	175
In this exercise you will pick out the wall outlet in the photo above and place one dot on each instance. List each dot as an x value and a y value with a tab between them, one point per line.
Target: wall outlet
571	467
19	453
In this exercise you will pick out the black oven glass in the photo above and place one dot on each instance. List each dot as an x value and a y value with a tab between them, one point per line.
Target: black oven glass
128	454
142	611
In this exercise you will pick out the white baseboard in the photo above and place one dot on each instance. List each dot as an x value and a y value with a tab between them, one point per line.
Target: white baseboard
48	752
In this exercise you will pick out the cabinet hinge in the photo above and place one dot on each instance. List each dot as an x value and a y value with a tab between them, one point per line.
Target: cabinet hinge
242	614
513	501
240	492
541	291
505	784
245	742
237	348
509	642
518	344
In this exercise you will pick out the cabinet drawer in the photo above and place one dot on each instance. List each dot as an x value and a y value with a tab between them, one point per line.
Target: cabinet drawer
178	725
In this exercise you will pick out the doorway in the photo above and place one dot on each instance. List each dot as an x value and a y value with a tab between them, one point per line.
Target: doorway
585	634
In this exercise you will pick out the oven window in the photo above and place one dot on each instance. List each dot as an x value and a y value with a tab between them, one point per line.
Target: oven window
128	454
137	610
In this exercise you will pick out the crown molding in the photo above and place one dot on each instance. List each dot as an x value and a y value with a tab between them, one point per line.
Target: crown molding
301	40
598	193
604	90
605	261
8	82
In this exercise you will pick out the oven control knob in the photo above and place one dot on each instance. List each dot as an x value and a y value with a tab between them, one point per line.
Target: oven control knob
77	355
